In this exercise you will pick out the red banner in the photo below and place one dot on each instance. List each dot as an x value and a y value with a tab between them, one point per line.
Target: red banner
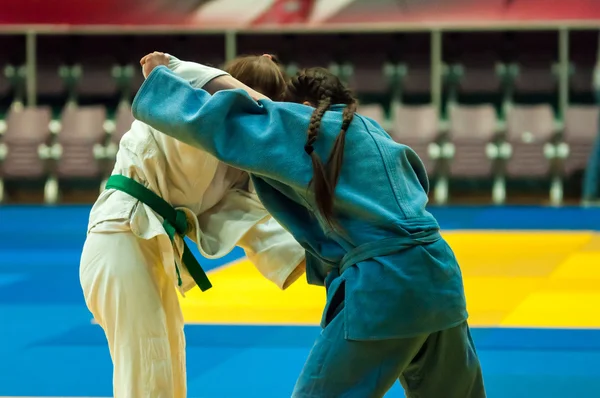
181	12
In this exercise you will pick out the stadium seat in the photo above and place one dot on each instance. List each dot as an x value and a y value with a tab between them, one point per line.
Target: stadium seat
54	54
15	81
581	76
479	76
580	132
416	85
471	132
375	112
418	128
123	120
472	75
106	155
365	64
367	76
49	84
529	129
583	46
4	85
79	144
97	80
24	149
528	151
535	58
124	75
535	77
12	71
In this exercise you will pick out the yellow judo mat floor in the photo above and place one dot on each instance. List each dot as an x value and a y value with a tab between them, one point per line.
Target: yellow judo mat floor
512	279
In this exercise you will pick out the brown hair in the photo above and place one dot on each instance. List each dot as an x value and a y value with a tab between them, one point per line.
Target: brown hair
322	89
261	73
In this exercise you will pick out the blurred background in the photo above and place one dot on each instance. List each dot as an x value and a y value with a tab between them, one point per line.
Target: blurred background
498	97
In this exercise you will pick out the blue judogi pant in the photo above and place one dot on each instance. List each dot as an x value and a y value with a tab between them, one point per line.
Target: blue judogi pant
443	364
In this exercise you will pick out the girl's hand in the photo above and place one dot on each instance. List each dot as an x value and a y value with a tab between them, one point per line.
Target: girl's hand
152	60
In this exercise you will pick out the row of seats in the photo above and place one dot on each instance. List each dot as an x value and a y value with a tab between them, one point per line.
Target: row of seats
81	145
472	144
71	83
489	77
476	62
498	82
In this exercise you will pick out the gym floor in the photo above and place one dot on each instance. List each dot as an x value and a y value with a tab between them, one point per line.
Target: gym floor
531	275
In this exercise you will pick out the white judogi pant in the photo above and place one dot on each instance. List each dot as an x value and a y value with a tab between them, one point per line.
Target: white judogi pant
122	275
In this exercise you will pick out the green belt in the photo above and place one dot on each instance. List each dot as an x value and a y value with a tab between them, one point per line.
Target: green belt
175	222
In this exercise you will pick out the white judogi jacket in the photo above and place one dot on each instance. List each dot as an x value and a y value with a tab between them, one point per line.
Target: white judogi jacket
222	208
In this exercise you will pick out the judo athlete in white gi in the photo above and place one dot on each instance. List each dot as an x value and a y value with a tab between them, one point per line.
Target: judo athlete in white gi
395	299
131	265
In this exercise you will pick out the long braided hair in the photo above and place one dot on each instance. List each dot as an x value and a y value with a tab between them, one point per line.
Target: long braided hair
322	89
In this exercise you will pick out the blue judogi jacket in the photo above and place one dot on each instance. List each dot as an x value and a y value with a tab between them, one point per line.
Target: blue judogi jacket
400	277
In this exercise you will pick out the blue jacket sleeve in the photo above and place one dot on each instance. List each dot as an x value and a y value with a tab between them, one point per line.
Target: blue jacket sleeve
230	125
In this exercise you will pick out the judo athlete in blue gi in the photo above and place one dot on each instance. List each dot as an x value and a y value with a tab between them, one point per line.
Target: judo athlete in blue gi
395	299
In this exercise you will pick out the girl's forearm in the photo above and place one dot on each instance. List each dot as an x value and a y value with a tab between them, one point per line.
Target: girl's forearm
227	82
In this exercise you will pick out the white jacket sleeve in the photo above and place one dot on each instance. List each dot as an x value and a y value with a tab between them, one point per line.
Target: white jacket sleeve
240	219
274	253
197	75
273	250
